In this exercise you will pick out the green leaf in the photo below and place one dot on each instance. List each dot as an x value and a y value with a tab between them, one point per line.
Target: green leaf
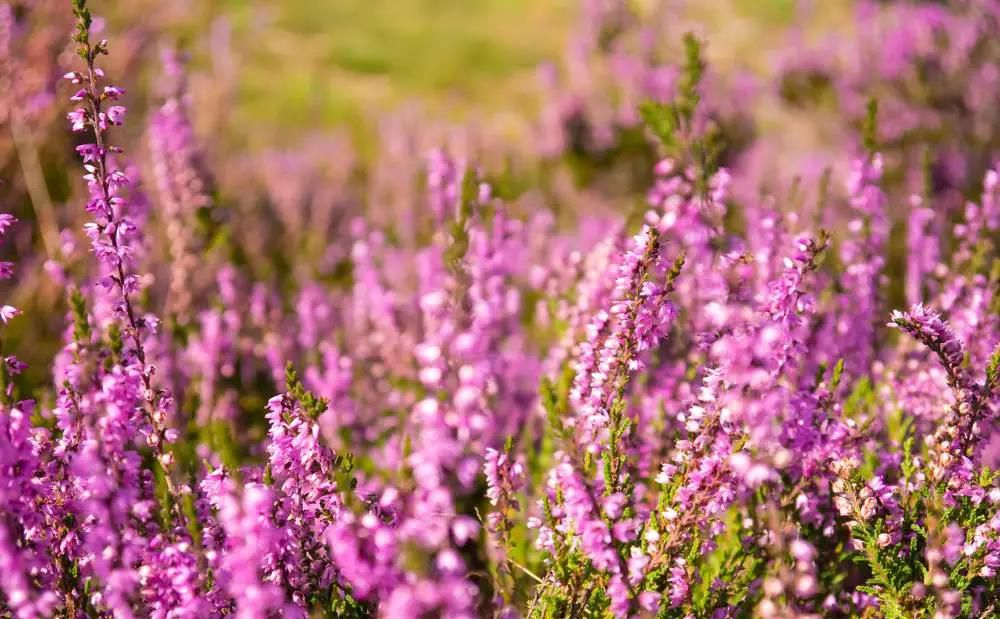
838	372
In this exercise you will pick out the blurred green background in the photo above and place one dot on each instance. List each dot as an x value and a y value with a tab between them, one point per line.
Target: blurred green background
323	63
306	64
334	59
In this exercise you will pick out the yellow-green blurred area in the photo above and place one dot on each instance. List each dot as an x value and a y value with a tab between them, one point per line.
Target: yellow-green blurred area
306	64
319	63
331	60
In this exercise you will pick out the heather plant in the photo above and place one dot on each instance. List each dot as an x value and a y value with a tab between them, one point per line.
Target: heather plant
616	370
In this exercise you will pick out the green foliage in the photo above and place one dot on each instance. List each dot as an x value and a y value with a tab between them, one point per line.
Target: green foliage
993	370
574	589
346	607
115	342
692	72
674	122
83	23
312	405
838	373
661	120
164	500
675	271
555	402
219	436
861	398
352	57
730	563
81	322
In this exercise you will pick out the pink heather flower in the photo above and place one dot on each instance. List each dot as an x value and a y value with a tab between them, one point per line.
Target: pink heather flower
78	119
679	584
8	312
927	326
650	601
6	221
89	152
113	92
618	592
116	114
503	477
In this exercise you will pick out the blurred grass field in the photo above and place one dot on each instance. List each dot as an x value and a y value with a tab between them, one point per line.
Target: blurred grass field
315	64
308	63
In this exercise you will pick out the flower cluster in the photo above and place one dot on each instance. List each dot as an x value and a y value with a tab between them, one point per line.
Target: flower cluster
647	366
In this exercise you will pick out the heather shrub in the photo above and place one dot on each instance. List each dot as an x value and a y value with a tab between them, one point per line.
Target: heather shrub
635	361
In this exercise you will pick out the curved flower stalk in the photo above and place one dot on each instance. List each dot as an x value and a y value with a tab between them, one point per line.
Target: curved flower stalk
961	432
957	441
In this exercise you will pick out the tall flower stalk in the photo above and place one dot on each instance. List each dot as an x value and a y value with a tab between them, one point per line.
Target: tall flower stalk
112	232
